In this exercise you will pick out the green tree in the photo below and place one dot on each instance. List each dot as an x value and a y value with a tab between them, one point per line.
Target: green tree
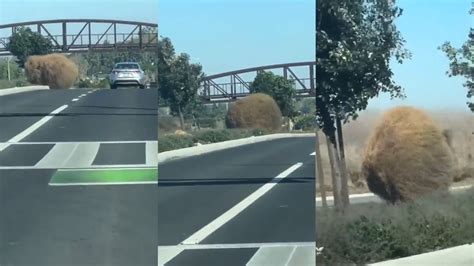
24	42
356	41
15	71
462	62
179	80
280	89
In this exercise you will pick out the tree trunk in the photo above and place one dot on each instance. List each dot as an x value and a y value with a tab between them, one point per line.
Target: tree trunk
319	170
343	168
336	180
181	118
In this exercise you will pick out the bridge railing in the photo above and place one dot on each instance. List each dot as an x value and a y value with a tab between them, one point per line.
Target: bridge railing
95	41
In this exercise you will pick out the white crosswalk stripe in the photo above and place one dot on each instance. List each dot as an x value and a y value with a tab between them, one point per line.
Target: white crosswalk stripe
275	254
65	155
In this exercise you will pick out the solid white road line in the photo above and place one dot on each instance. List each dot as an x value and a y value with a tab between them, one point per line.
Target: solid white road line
304	250
276	256
103	183
55	155
32	128
83	155
151	155
303	256
79	142
204	232
91	167
228	215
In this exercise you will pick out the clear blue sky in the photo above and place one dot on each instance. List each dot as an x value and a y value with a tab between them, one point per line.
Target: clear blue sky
234	34
427	24
231	34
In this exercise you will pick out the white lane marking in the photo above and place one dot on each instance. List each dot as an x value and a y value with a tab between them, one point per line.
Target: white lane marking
303	256
83	155
75	99
151	155
82	95
204	232
231	213
33	127
114	168
57	153
167	253
313	154
270	256
79	142
103	183
291	256
91	167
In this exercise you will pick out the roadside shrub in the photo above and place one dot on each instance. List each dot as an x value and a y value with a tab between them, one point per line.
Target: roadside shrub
257	110
259	132
167	124
212	136
374	232
306	122
53	70
174	142
93	84
20	83
407	156
207	122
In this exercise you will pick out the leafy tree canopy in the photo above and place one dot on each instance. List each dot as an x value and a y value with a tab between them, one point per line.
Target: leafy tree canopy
356	40
462	62
280	89
24	42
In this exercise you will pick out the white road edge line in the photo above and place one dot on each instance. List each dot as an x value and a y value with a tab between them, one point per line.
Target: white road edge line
204	232
32	128
102	183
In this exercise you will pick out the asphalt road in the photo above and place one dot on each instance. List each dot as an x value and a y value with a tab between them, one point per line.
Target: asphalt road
202	221
42	224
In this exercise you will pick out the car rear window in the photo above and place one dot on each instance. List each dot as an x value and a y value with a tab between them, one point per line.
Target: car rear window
126	66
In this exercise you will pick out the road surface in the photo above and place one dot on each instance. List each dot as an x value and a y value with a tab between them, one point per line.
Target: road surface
55	213
252	205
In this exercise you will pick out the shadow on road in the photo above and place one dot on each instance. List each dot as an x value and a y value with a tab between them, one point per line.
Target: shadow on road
229	181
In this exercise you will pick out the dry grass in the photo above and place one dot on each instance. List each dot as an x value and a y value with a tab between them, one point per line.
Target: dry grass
407	156
356	134
257	110
53	70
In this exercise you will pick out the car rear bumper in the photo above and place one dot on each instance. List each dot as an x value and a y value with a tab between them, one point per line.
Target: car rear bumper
127	81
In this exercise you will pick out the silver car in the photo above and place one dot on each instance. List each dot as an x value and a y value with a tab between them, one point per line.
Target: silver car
127	74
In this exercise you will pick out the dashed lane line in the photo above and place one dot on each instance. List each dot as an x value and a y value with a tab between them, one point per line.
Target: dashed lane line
32	128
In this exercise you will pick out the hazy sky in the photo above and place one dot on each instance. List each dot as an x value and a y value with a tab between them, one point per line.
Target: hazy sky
226	35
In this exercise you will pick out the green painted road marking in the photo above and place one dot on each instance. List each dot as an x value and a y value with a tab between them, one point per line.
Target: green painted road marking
122	176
